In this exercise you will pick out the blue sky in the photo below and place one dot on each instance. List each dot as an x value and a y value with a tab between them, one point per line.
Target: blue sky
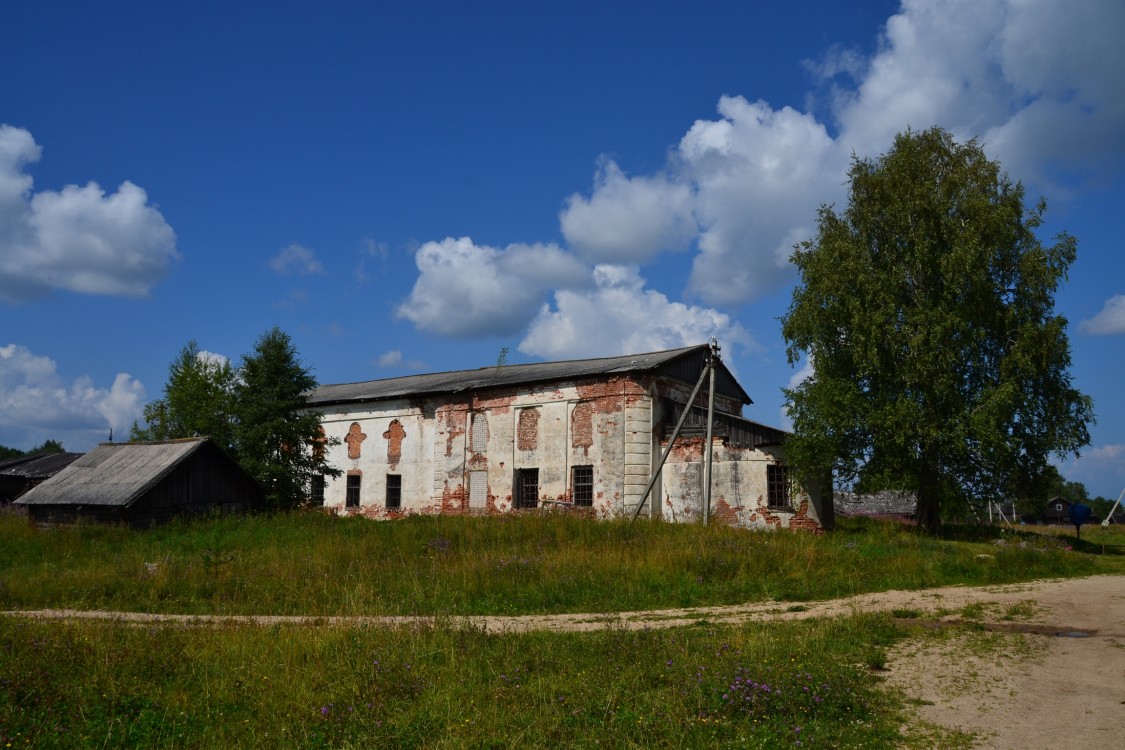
414	186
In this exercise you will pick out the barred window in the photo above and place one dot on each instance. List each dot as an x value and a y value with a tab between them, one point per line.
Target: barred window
316	490
777	486
394	491
527	488
351	499
582	485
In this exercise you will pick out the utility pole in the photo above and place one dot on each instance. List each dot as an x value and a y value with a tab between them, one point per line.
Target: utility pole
712	361
708	369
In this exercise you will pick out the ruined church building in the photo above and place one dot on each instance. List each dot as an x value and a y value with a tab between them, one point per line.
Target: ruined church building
583	434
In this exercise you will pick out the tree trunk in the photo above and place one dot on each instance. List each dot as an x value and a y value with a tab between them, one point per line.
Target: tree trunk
928	510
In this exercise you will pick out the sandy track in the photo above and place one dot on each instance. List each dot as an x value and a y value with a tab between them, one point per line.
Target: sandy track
1074	598
1035	690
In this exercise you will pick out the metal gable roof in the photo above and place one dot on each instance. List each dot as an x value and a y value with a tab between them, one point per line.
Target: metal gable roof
459	381
38	465
113	474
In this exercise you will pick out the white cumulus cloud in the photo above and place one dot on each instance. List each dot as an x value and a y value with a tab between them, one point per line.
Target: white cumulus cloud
760	174
1109	321
1040	83
464	289
618	316
37	403
296	259
628	220
394	360
79	239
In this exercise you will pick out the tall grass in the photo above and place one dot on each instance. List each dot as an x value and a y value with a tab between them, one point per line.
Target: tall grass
308	563
77	685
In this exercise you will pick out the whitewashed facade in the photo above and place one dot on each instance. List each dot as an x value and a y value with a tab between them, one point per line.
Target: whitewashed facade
583	435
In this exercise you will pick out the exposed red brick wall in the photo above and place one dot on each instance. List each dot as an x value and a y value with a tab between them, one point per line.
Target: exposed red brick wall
798	521
355	437
394	436
582	427
454	499
451	420
723	512
527	431
499	403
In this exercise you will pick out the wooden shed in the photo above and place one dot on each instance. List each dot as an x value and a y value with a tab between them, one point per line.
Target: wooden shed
141	484
20	474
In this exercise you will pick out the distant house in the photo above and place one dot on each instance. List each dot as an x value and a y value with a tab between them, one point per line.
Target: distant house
883	504
581	434
20	474
1055	513
141	484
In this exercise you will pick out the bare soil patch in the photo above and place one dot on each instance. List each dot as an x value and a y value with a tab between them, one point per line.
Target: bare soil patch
1048	671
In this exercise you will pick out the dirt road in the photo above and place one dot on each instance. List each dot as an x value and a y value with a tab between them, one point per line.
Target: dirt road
1053	675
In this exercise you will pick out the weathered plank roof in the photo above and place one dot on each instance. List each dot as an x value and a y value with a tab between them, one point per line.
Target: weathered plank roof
684	364
113	474
38	465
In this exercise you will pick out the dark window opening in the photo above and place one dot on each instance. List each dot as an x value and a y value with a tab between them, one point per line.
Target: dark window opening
582	485
316	490
351	499
527	488
777	486
394	491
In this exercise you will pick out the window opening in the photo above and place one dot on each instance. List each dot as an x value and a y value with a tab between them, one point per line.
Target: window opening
316	490
527	488
582	485
394	491
777	486
351	499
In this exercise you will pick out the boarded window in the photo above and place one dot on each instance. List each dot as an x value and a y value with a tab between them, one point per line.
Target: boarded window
480	433
316	490
527	488
394	491
582	485
777	486
351	499
478	490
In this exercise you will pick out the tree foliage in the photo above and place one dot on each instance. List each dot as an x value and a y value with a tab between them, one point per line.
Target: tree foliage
48	446
278	440
927	311
198	401
257	413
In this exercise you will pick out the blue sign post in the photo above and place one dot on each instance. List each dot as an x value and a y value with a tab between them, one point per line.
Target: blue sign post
1080	514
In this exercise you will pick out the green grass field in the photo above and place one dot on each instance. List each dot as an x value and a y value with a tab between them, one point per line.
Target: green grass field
308	563
798	684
